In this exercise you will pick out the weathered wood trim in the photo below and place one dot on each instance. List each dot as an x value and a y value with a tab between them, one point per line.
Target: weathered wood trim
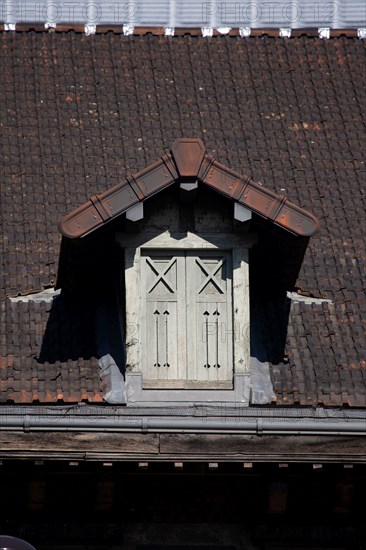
133	308
182	447
79	442
136	393
266	448
241	319
188	384
167	239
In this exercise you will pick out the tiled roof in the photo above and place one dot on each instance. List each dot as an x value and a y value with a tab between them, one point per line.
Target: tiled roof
80	112
50	352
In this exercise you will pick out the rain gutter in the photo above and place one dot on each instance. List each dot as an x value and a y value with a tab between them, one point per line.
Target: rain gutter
145	424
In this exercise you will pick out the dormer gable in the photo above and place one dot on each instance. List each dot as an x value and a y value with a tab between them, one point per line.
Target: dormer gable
184	227
188	162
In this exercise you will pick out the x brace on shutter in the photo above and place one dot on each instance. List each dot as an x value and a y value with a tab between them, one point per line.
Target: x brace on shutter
210	276
161	274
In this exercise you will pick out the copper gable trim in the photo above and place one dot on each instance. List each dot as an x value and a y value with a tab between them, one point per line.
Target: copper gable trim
188	159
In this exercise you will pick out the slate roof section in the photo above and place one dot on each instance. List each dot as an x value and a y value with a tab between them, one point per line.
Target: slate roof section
318	364
79	113
51	355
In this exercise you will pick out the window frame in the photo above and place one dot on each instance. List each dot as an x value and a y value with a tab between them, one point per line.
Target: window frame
239	246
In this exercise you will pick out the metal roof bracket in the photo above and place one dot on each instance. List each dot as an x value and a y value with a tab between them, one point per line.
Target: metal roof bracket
189	186
324	32
241	213
285	32
244	32
207	32
136	212
90	29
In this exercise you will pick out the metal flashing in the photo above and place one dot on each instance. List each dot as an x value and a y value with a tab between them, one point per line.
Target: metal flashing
99	208
294	297
223	30
112	381
176	13
90	29
244	32
285	32
110	354
156	30
47	295
188	155
207	32
261	387
188	160
324	32
128	29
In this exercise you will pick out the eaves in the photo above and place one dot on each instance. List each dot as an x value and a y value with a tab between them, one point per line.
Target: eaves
187	434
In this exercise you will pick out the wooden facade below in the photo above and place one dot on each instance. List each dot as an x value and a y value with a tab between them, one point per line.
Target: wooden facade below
173	447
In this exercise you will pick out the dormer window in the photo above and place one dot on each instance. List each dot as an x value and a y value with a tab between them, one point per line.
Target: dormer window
184	224
187	312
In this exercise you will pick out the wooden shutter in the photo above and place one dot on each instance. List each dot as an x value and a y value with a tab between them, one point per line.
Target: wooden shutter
163	317
186	319
209	314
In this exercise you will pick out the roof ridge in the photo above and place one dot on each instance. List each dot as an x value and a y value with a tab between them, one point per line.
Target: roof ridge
310	32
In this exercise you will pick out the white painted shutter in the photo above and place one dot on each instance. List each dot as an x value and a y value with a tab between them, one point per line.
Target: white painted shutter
186	319
209	313
163	317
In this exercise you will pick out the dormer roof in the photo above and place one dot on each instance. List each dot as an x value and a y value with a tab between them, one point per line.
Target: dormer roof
188	160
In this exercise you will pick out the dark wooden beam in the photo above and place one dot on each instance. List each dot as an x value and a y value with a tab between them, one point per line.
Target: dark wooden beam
177	448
